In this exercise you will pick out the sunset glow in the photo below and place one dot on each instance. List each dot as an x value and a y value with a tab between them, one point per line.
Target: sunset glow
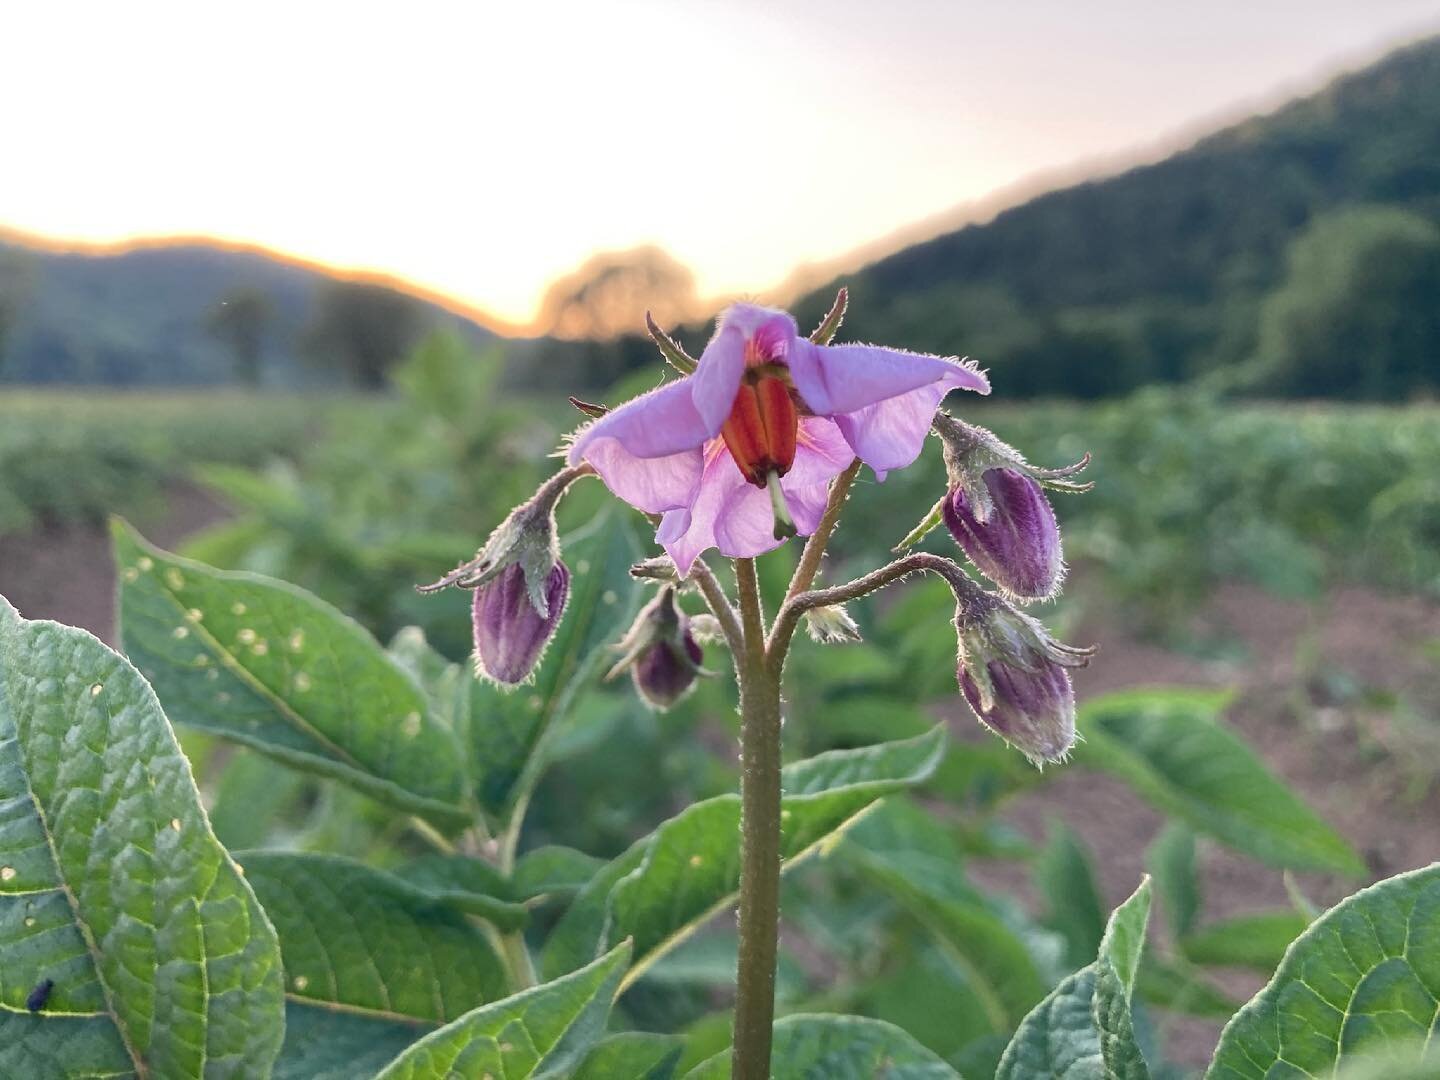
482	149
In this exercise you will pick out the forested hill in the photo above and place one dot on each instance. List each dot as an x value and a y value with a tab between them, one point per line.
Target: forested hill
1298	250
194	314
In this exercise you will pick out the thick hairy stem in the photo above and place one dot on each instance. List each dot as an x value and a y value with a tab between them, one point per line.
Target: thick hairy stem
815	547
759	839
722	609
967	593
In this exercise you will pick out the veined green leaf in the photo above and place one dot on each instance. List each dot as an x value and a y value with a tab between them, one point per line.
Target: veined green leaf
1082	1030
270	666
469	885
542	1032
1255	941
910	855
1170	746
671	881
112	886
838	1048
633	1055
362	940
1364	976
508	728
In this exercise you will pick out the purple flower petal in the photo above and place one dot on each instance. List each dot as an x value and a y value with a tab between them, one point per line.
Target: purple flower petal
1018	547
768	332
648	450
890	434
1032	710
835	379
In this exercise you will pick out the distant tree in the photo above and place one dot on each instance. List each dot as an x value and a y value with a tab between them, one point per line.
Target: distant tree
609	295
241	320
1359	313
362	329
16	282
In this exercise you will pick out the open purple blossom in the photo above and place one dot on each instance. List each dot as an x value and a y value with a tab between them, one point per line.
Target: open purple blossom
739	455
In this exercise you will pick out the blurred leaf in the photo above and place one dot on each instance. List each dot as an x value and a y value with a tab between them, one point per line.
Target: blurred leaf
1083	1028
1254	941
1170	746
508	729
1064	877
689	868
322	1044
708	959
1171	862
632	1055
839	1048
1181	989
270	666
542	1032
553	871
910	855
466	884
1363	977
112	886
250	798
362	940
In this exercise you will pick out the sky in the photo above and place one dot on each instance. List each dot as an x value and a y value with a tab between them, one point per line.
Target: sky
481	149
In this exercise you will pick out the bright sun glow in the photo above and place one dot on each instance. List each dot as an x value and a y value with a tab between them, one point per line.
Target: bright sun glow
480	149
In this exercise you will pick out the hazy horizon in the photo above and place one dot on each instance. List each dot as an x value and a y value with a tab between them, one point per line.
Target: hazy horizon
407	215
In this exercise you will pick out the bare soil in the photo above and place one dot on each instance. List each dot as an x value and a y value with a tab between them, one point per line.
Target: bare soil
1341	698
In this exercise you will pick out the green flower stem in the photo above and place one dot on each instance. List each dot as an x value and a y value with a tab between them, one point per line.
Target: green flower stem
517	959
759	838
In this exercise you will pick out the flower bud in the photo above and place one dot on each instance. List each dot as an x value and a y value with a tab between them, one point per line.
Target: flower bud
1018	545
520	586
660	652
831	625
997	511
1015	677
510	631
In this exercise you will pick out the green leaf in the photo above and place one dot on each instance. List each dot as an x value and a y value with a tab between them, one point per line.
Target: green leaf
1255	941
268	665
542	1032
553	871
633	1055
1083	1030
508	728
250	798
808	1047
1170	746
1063	876
1171	862
469	885
1181	989
671	881
1364	975
323	1044
112	885
906	852
363	940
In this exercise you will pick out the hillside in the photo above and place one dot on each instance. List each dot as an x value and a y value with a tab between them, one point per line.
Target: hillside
1175	269
145	317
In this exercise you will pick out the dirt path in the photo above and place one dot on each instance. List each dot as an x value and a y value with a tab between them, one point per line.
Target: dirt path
65	572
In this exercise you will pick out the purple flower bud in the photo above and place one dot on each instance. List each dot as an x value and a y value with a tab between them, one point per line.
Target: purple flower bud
665	671
1032	710
1017	544
1015	677
661	652
510	632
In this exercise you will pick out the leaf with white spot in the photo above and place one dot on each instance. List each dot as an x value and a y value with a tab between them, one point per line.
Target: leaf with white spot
362	940
542	1032
671	881
112	886
273	667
